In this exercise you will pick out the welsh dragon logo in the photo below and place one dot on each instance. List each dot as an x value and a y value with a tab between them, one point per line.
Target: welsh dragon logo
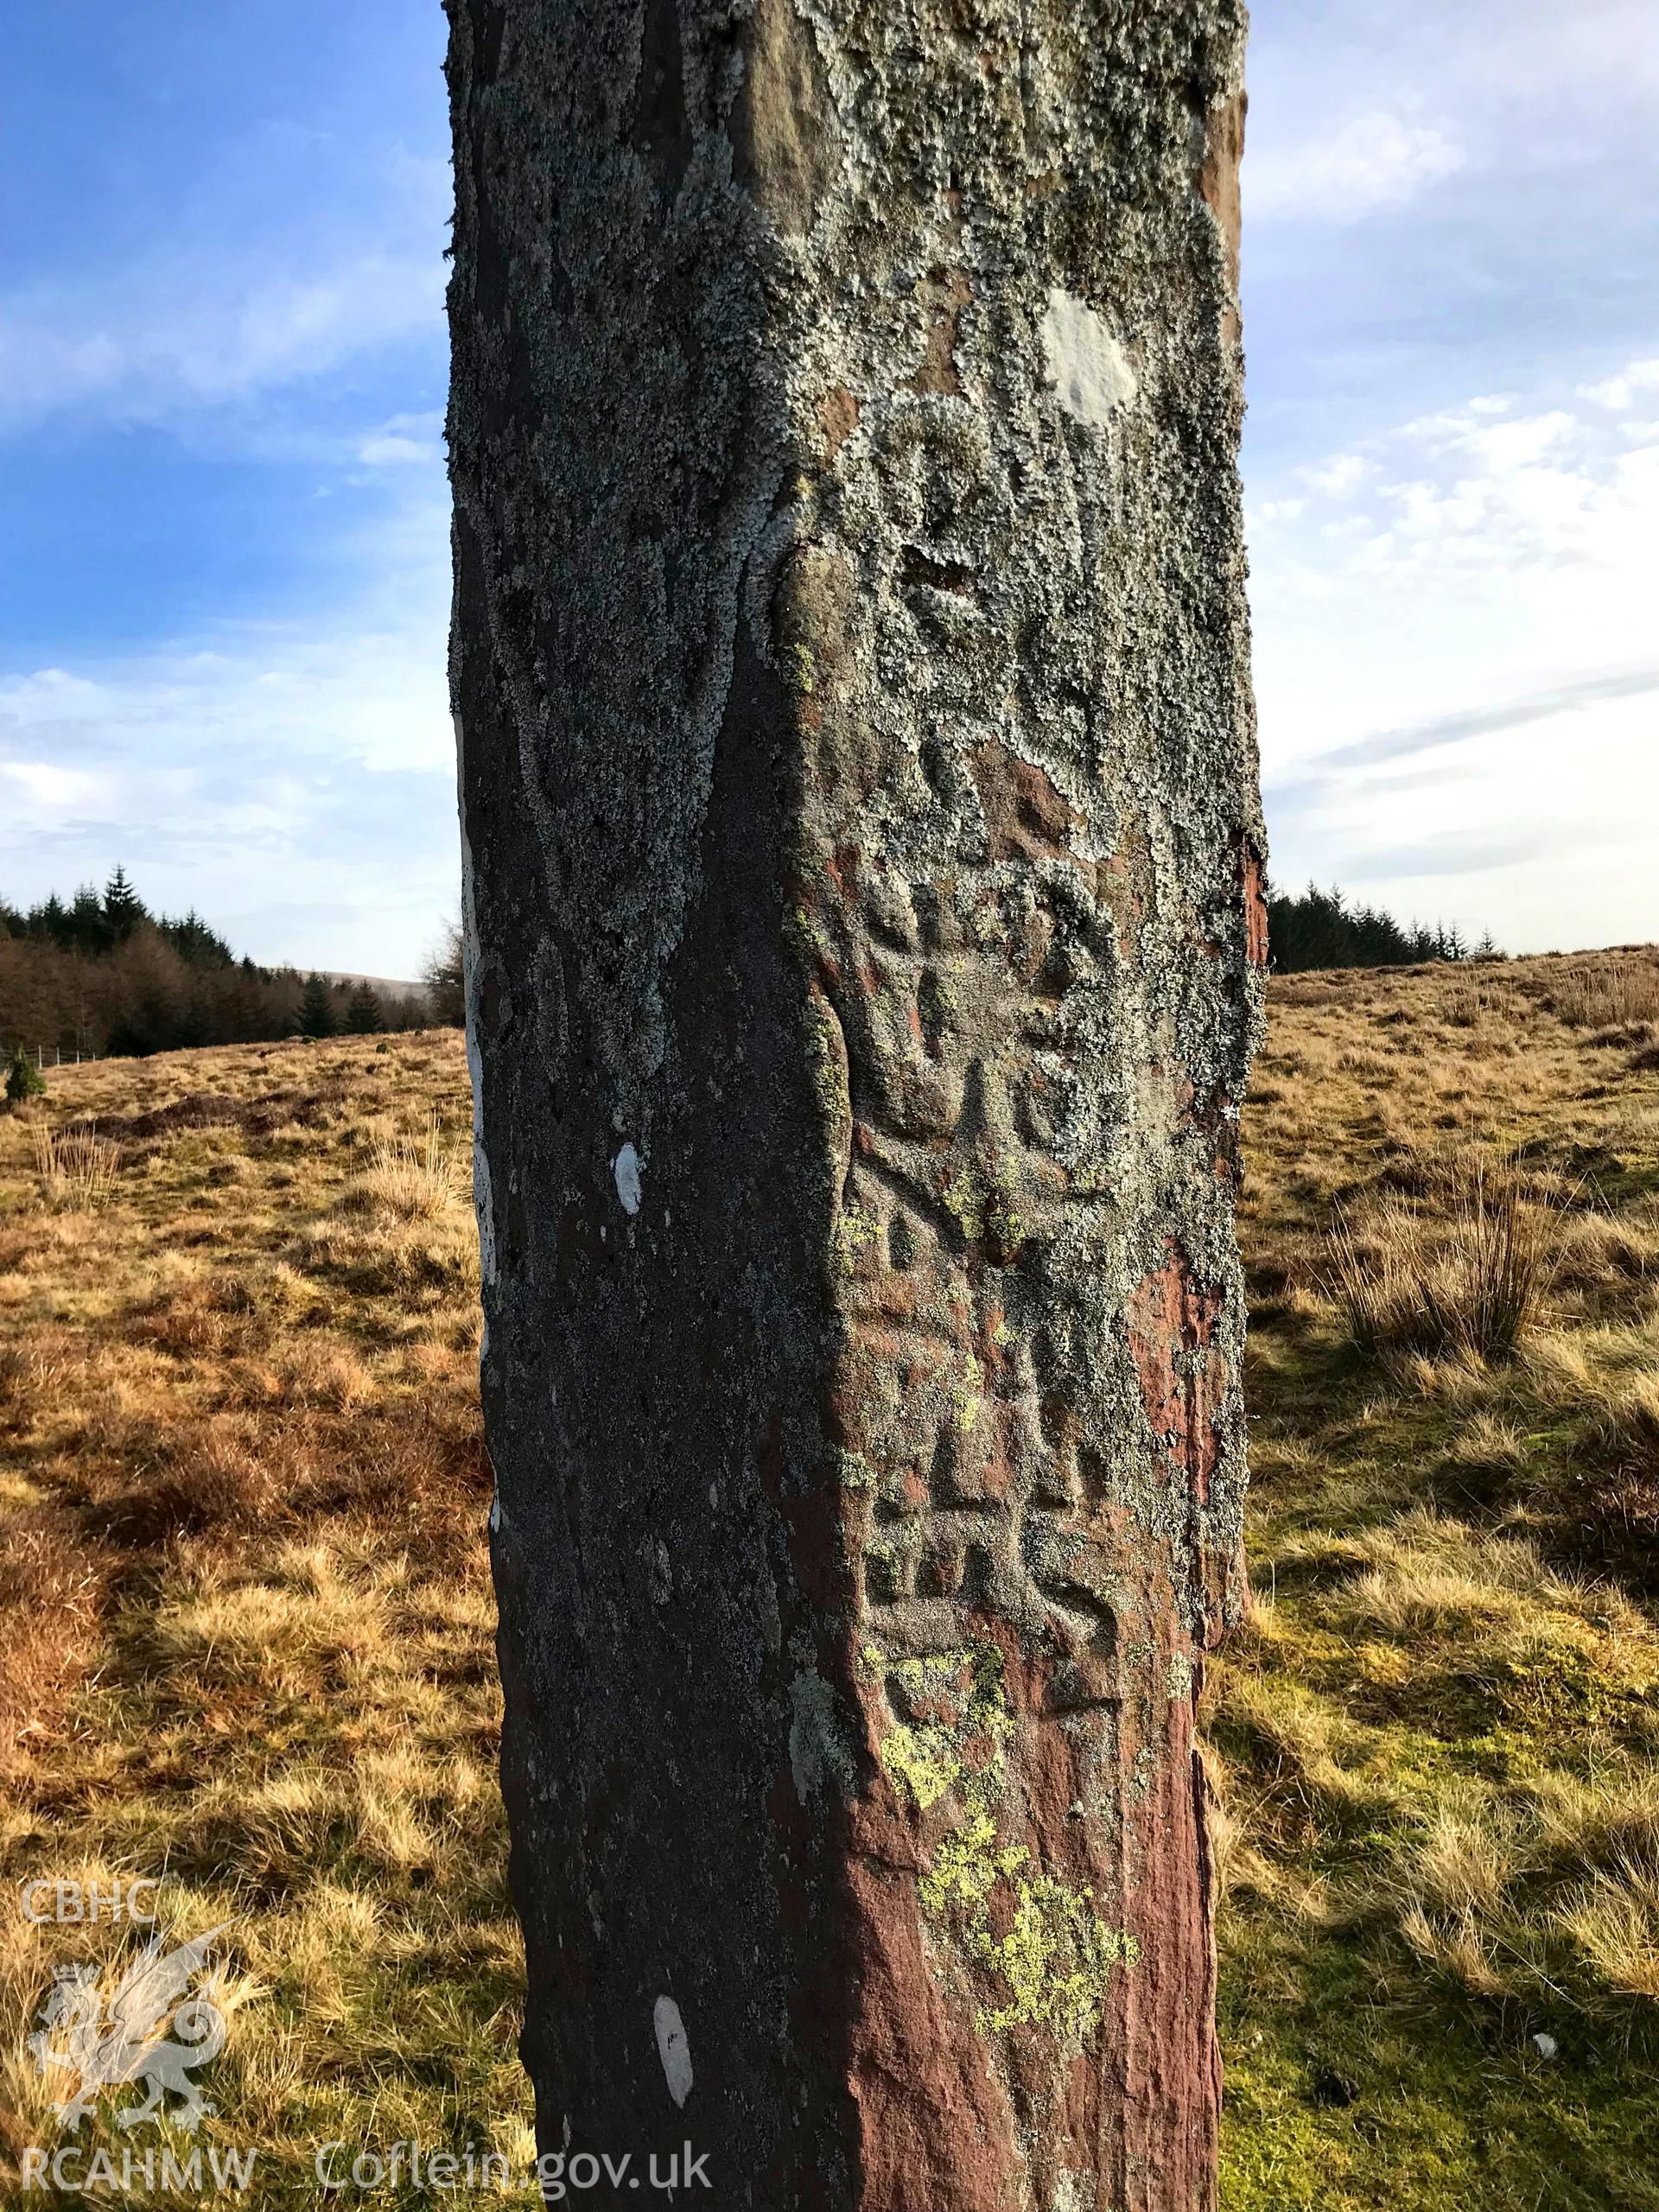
109	2041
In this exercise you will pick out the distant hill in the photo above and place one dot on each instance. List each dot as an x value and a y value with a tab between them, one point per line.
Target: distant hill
385	986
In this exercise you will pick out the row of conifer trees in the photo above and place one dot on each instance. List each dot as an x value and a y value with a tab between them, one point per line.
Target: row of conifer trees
101	974
1320	929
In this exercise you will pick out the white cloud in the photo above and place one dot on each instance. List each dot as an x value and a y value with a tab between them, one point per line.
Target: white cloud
1343	473
1375	161
293	782
48	788
1480	557
1619	392
404	441
172	340
365	699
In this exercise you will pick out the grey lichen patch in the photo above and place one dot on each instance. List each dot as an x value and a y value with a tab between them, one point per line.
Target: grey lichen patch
820	1758
1075	2190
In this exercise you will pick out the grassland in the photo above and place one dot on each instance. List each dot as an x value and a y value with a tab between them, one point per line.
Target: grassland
1436	1737
245	1622
245	1619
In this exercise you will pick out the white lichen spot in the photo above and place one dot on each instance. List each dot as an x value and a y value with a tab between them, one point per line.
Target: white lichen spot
495	1512
1087	366
627	1169
1074	2191
673	2048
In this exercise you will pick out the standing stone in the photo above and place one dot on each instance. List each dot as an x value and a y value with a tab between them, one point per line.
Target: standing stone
864	934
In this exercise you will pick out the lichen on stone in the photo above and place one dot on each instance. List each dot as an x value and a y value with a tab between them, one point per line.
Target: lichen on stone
1054	1956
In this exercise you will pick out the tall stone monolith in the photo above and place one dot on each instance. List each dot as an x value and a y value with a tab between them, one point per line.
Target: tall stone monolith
864	930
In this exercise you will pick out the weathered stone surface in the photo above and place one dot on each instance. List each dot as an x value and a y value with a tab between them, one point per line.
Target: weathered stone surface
864	928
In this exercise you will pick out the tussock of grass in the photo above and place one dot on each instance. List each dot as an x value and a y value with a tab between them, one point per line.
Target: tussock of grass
1608	994
1438	1743
1466	1278
1625	1426
1615	1921
423	1177
77	1168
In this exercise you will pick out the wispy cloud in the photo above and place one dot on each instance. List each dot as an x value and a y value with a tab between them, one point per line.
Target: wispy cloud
173	343
1374	160
294	780
1455	728
1451	622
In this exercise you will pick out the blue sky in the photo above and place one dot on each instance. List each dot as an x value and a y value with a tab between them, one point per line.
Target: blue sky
223	537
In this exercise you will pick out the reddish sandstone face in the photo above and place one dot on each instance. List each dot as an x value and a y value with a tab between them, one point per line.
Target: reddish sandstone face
1183	1374
1036	1577
1256	910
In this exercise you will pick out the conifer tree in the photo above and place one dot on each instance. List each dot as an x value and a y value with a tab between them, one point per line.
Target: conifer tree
23	1079
85	929
363	1012
122	908
317	1009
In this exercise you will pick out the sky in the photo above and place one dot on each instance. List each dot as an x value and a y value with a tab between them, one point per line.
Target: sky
223	517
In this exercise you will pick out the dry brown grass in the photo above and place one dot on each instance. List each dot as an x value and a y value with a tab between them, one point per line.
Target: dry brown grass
416	1176
247	1637
1618	992
1438	1740
77	1168
52	1586
1626	1427
246	1628
1465	1278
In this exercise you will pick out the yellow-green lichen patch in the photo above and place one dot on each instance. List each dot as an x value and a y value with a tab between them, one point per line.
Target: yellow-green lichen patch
1056	1954
1056	1959
855	1232
854	1470
951	1698
969	1394
982	1200
830	1072
915	1757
